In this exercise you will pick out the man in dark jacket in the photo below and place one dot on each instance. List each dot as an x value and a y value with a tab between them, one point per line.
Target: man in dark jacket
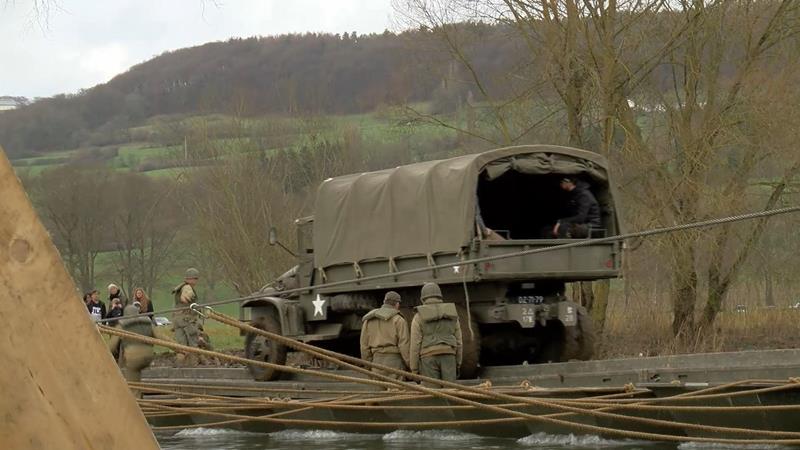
582	211
96	307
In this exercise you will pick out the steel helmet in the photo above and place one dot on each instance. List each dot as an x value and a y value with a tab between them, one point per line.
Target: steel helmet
191	272
430	290
391	297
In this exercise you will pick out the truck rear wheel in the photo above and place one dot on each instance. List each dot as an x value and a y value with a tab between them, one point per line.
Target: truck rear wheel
259	348
471	342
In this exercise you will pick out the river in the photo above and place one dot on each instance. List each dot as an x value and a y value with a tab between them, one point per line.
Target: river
216	439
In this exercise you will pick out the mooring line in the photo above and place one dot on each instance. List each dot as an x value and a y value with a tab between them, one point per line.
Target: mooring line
496	409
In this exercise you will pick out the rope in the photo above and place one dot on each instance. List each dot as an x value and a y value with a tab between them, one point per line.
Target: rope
521	389
488	407
359	403
228	422
186	349
766	390
341	423
578	243
255	389
349	362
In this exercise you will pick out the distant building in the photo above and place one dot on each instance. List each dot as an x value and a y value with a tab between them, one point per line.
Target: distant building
8	103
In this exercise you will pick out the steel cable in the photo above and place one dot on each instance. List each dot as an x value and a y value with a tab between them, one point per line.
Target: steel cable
574	244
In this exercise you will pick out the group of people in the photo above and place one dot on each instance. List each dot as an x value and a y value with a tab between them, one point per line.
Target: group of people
136	316
132	355
117	302
433	347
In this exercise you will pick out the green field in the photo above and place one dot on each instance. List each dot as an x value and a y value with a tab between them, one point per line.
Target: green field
158	160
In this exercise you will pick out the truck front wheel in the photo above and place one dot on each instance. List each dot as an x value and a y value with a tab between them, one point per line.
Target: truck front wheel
260	348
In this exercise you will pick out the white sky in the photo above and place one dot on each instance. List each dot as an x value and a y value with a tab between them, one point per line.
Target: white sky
85	42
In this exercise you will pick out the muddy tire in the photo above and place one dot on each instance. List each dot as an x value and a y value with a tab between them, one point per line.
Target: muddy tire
579	340
471	357
552	342
262	349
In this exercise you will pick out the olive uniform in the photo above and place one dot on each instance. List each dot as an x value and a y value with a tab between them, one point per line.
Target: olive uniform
186	322
137	355
436	347
384	336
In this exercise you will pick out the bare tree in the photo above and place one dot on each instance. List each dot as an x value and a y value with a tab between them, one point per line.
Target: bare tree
577	51
75	205
231	202
144	224
688	151
712	144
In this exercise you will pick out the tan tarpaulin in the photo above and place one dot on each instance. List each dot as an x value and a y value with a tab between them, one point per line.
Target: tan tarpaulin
427	207
59	386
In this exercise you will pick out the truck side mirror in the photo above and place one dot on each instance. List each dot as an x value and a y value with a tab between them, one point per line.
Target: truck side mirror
273	236
273	240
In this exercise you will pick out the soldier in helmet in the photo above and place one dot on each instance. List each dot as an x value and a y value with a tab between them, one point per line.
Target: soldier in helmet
435	336
384	335
137	355
186	322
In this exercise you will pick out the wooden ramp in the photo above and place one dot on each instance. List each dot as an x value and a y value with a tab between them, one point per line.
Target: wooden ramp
59	386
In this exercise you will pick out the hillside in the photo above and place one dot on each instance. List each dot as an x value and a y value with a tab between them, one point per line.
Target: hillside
283	75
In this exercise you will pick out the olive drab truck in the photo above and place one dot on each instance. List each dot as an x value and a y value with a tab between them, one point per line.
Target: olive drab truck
420	216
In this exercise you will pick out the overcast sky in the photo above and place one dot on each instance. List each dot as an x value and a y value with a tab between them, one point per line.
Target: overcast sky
85	42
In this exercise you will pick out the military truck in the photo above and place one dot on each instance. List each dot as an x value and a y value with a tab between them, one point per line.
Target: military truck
422	215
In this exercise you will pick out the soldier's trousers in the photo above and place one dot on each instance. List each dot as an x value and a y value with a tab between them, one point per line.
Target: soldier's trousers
393	360
115	342
442	367
186	332
137	358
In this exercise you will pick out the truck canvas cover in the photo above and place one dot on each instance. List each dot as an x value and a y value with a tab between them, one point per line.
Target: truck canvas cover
428	207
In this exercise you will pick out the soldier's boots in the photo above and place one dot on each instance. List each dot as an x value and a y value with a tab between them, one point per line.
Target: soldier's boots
184	360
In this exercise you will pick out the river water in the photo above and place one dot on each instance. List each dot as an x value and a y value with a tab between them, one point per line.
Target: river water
218	439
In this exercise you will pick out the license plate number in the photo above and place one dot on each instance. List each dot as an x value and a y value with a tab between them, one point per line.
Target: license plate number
530	299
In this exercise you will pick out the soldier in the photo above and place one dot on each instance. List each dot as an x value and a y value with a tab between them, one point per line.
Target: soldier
137	355
186	322
435	336
384	336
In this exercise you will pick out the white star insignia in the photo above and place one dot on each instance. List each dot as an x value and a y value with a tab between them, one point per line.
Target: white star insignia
318	303
456	269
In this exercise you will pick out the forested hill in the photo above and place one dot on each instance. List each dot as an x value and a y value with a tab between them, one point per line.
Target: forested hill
290	74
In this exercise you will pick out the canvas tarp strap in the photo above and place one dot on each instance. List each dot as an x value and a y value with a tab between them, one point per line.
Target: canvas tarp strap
546	163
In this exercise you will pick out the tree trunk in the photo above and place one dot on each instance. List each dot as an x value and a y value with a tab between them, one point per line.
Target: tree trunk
600	304
685	291
587	295
717	291
769	296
